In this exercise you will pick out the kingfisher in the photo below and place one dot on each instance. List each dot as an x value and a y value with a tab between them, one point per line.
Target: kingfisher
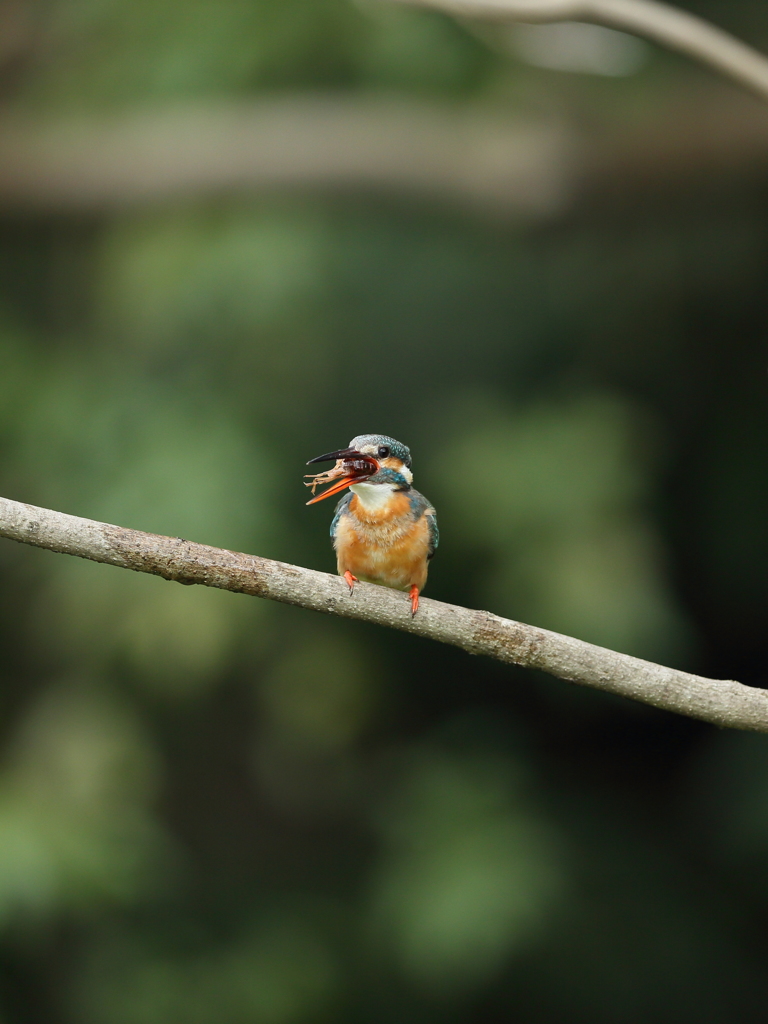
383	531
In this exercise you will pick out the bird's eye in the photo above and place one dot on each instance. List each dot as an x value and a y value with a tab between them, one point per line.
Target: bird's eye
383	452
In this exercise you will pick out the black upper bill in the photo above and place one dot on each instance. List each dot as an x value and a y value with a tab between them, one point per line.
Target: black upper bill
342	453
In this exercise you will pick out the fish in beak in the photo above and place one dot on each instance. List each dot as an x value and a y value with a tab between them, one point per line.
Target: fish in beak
351	467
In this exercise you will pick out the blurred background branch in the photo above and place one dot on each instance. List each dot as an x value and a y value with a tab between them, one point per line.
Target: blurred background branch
660	22
308	141
721	702
520	168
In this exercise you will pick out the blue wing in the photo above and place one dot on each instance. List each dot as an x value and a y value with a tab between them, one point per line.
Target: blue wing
421	507
434	533
341	509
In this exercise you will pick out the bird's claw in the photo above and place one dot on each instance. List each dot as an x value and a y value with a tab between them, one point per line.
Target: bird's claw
351	580
414	595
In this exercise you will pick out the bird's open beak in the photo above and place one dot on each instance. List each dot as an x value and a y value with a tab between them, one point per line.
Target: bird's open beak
342	453
351	466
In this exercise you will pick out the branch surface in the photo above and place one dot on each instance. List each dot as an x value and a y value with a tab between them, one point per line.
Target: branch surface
664	24
724	703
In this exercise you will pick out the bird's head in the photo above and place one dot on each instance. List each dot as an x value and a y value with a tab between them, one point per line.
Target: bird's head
370	458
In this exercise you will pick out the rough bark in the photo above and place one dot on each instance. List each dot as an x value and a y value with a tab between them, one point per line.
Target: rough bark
724	703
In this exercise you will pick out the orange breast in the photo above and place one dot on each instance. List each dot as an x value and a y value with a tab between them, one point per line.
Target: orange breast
390	549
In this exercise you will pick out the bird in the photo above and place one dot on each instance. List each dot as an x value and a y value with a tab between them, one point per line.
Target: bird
383	530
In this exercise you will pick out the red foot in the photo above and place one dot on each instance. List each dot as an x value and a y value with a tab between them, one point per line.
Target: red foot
352	580
414	592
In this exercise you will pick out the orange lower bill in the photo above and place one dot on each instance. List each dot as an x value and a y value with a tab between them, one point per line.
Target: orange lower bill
340	485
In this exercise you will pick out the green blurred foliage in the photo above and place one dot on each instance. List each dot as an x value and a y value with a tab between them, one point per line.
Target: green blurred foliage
468	872
107	53
212	809
320	695
557	504
247	286
75	809
282	973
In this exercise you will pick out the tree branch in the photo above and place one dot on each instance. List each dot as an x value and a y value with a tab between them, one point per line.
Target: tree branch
498	165
296	141
675	29
723	703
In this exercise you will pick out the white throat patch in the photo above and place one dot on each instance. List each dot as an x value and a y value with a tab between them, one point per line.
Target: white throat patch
373	497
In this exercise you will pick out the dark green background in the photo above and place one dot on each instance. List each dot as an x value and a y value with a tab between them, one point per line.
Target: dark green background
214	809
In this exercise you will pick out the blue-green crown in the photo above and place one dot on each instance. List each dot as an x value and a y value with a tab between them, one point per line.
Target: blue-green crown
381	440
